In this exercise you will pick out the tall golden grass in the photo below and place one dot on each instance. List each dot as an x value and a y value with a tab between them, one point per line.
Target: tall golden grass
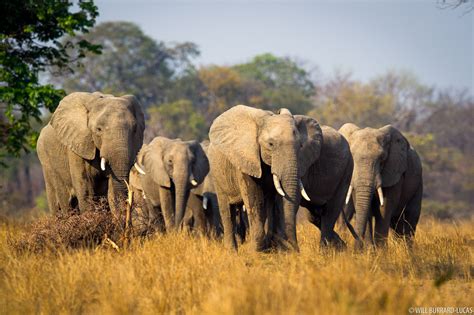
184	274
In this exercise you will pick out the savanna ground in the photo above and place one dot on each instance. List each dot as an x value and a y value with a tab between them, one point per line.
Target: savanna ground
183	274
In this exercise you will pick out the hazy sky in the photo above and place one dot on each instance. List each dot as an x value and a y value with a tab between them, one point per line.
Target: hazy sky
365	37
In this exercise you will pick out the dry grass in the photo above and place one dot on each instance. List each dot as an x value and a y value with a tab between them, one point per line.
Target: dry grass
180	274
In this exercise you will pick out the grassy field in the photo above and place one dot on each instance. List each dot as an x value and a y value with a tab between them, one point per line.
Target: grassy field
181	274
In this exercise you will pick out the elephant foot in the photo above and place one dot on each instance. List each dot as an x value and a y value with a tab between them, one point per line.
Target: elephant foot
333	241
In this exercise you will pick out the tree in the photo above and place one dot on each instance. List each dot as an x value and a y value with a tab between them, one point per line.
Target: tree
131	63
285	84
344	100
176	120
29	44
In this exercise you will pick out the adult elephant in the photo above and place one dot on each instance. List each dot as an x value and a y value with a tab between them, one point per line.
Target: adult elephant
167	170
88	148
384	162
326	182
254	155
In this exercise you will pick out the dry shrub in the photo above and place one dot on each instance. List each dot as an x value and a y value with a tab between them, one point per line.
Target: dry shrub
68	230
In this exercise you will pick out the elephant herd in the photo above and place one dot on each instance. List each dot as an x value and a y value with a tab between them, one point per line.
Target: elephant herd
248	181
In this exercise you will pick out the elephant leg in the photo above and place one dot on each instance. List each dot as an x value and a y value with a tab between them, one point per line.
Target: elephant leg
53	202
273	218
329	237
227	221
383	217
331	212
253	199
412	215
216	222
83	185
197	211
369	231
167	208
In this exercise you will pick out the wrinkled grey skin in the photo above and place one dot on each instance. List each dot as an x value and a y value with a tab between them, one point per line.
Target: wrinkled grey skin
84	128
200	217
383	158
170	167
326	183
249	146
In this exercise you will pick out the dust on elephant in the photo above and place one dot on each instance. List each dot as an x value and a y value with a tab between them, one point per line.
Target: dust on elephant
167	169
326	182
254	155
386	183
202	211
88	147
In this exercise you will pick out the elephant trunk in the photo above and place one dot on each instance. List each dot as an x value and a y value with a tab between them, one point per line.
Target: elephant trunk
119	160
362	205
181	180
289	178
366	181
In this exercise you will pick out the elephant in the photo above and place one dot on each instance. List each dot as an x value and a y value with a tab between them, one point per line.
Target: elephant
164	173
87	149
326	182
384	162
202	211
255	155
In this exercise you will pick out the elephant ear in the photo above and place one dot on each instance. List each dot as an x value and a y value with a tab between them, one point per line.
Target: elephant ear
347	129
70	123
234	134
153	161
311	141
396	162
137	111
200	166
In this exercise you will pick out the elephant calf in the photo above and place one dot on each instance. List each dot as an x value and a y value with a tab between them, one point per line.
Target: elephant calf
387	182
164	173
202	212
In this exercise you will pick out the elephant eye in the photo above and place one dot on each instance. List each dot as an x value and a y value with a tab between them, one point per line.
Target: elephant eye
99	129
270	144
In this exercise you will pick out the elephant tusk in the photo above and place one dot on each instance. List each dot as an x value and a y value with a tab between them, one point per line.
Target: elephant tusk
349	193
193	181
380	192
143	195
303	192
278	188
204	202
102	164
244	209
139	169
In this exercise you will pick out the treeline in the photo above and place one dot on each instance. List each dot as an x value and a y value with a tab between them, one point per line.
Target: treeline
181	100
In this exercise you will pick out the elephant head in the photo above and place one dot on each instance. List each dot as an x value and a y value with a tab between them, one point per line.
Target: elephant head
250	138
174	164
97	126
380	159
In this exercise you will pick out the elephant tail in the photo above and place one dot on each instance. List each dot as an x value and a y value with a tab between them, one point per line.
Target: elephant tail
349	225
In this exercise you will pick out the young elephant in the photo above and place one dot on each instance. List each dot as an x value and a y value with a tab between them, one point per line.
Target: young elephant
384	163
202	212
167	170
88	148
254	155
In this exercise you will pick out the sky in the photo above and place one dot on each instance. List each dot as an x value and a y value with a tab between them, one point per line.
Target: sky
367	38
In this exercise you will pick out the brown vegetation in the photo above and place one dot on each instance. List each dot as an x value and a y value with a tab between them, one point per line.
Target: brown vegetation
180	274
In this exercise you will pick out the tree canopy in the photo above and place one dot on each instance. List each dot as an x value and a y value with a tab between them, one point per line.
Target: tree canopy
131	63
29	44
